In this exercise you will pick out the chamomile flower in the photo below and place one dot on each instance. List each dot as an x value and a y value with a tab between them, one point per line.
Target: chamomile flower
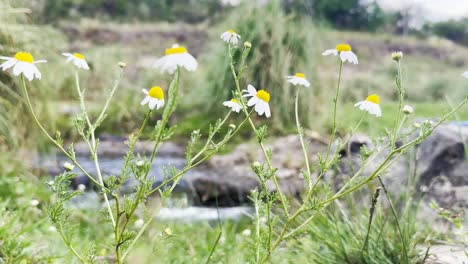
344	50
298	79
174	57
233	104
371	105
230	37
78	59
22	63
258	98
154	98
465	74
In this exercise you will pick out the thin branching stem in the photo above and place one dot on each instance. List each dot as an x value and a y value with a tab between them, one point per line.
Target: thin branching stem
335	105
300	131
92	145
265	154
59	146
397	222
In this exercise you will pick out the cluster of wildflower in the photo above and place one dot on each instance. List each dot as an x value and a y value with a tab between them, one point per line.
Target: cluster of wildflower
260	98
176	56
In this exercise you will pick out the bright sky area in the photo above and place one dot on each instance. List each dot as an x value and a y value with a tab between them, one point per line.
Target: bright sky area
434	10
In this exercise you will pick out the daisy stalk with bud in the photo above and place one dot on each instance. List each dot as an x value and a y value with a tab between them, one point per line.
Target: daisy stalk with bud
299	80
260	99
344	51
397	56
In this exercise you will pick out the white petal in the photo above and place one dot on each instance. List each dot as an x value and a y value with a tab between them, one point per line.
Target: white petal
8	64
359	103
6	58
465	74
37	73
39	61
260	107
251	90
330	52
253	101
152	103
66	54
145	100
267	110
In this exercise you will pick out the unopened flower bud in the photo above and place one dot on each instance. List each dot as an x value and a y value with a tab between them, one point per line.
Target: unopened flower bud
122	64
407	109
396	56
246	232
417	125
232	126
247	45
256	164
68	166
140	163
168	231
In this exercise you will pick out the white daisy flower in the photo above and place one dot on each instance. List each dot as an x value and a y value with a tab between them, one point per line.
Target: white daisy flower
465	74
154	98
78	59
260	99
230	37
22	63
233	104
174	57
371	105
298	79
344	50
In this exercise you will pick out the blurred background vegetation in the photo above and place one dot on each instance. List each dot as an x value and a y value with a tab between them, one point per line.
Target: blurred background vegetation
288	36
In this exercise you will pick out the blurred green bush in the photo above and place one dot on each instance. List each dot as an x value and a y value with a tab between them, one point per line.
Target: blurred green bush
281	45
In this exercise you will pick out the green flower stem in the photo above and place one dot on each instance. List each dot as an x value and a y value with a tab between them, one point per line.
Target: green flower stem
168	110
60	147
401	95
300	131
93	146
117	228
104	110
176	177
267	158
257	232
187	168
397	222
335	104
69	245
322	173
210	137
342	192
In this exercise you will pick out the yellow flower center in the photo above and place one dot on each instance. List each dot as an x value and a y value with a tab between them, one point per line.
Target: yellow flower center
373	98
24	57
231	31
264	95
79	56
234	100
156	92
176	50
343	47
300	75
